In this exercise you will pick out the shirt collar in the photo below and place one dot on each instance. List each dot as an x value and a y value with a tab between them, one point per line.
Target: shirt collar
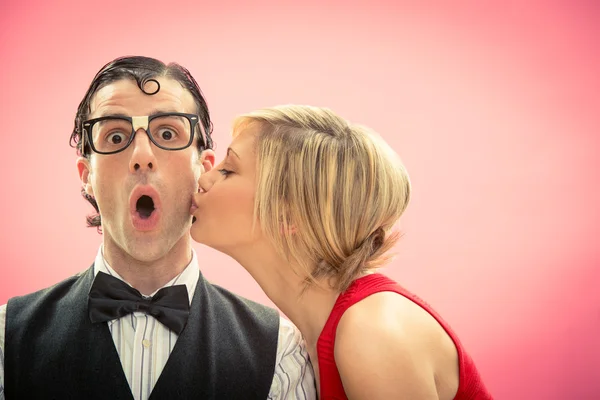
188	277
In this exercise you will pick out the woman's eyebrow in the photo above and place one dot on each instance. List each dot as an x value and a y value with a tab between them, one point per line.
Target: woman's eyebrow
229	149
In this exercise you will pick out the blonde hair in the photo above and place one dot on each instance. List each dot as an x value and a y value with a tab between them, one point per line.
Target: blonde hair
328	191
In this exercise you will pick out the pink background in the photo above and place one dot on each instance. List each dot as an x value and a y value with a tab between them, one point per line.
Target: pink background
493	105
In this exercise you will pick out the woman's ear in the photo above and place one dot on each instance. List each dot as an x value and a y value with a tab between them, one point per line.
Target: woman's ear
290	229
286	227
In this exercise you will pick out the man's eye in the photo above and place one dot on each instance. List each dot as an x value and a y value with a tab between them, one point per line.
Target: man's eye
167	134
115	138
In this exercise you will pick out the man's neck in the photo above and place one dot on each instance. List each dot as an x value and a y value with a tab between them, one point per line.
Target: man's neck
150	275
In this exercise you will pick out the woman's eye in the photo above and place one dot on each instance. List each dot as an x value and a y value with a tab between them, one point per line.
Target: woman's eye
225	172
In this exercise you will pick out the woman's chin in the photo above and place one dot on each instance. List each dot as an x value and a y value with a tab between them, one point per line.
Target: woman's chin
204	238
197	235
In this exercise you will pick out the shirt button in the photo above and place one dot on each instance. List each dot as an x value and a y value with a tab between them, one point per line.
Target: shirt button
146	343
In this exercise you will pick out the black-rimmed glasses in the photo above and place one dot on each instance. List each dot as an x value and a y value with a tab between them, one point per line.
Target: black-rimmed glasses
168	131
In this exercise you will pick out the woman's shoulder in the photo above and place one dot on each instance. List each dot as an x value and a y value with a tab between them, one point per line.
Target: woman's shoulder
389	314
389	307
387	331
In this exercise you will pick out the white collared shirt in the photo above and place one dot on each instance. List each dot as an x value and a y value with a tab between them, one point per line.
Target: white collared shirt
144	346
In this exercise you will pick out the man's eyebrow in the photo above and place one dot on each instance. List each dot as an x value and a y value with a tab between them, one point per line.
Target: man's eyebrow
229	149
110	113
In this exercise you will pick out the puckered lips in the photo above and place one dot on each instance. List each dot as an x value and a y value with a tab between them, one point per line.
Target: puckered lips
194	206
145	207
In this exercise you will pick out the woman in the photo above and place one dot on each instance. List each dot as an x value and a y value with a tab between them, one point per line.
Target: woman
306	202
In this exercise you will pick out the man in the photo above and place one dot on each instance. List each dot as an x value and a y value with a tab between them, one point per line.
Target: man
143	135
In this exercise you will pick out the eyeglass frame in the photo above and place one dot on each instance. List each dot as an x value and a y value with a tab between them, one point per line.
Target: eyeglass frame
193	119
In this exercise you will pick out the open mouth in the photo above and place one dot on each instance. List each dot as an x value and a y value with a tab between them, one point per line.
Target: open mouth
144	206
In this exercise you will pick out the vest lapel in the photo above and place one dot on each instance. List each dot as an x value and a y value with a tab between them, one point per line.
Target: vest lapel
188	365
96	344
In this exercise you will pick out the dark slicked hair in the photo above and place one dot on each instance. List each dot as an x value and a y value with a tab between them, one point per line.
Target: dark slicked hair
142	70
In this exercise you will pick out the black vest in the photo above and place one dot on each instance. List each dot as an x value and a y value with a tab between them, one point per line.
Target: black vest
52	350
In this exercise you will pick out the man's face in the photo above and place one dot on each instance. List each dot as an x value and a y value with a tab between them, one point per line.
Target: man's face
144	192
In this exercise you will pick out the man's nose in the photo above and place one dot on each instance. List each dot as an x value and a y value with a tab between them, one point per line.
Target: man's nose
143	158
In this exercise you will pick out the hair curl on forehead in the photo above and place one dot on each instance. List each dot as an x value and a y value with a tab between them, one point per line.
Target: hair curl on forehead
143	70
144	83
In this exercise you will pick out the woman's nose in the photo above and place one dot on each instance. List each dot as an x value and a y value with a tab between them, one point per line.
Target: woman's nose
206	181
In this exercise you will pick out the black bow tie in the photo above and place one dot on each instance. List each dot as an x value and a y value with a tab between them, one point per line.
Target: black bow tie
111	298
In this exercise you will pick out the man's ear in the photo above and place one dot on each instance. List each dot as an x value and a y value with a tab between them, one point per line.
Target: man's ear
84	169
207	158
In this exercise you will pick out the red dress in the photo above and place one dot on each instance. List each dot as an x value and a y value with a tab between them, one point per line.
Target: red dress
470	386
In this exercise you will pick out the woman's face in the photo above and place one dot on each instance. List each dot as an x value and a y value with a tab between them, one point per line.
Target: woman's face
225	202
